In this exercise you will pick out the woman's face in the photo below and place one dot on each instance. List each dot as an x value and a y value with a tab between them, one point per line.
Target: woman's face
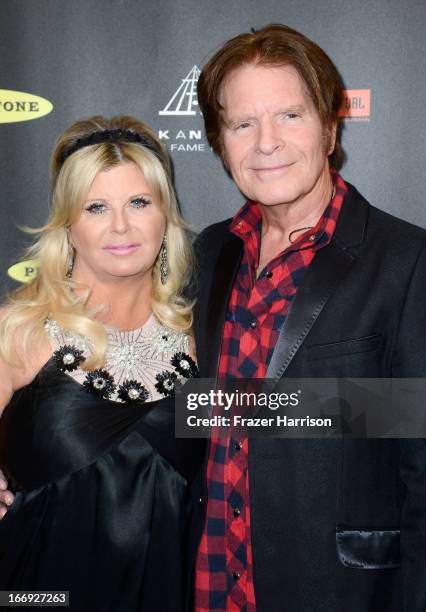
120	229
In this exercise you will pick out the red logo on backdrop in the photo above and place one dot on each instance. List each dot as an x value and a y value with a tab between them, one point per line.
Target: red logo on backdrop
356	105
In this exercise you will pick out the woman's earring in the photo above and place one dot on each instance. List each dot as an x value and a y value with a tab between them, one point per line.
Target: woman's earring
164	265
70	259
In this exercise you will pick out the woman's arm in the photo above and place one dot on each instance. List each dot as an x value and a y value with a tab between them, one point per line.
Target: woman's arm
6	391
6	384
11	379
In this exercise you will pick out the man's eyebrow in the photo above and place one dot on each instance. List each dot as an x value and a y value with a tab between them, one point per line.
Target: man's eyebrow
292	108
229	120
232	119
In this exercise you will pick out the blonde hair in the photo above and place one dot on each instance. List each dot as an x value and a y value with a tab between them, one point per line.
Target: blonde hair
50	293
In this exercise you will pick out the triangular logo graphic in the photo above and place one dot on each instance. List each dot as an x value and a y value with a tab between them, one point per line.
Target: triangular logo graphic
184	99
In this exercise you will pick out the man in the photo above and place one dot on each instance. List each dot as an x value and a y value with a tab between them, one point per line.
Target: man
307	280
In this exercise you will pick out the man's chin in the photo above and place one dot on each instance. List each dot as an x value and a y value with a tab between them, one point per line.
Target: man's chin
270	201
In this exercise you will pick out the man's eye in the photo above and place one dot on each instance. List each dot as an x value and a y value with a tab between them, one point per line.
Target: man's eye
139	202
96	208
292	115
243	125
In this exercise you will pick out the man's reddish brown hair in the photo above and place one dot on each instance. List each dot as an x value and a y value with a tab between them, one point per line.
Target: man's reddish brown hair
273	45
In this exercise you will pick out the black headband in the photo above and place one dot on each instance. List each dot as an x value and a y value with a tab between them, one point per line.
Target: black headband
112	136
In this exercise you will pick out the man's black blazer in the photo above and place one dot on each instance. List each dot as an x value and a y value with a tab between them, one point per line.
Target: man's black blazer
337	525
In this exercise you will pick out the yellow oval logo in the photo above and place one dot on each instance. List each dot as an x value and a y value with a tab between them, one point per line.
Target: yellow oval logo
24	271
19	106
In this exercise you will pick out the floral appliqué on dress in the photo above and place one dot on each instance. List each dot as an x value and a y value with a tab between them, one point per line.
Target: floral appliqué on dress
141	365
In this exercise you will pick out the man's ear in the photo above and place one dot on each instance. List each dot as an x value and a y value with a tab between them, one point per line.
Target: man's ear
332	131
224	160
223	154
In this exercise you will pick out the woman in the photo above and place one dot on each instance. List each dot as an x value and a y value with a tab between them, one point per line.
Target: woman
91	351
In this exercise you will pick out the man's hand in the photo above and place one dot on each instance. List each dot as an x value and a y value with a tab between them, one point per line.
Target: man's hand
6	497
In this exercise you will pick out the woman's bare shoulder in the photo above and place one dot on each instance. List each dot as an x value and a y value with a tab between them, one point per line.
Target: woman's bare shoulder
32	357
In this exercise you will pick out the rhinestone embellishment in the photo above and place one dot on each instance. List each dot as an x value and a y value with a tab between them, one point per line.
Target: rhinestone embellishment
166	382
68	358
132	391
100	382
184	365
140	365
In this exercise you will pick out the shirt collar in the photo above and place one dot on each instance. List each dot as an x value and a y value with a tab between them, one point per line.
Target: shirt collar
248	221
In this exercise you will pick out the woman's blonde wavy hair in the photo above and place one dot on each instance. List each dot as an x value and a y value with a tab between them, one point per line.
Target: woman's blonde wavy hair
50	293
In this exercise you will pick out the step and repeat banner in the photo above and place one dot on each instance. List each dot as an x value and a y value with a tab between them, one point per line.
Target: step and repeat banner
61	60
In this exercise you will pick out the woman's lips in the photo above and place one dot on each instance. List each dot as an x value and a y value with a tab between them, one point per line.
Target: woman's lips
121	249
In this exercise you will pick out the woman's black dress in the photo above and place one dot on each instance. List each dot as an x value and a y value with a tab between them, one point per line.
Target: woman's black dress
103	498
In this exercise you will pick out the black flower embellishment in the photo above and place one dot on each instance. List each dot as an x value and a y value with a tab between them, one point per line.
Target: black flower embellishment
166	383
100	383
184	365
132	391
68	358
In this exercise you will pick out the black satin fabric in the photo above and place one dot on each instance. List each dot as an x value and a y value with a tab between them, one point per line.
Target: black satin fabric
103	498
369	549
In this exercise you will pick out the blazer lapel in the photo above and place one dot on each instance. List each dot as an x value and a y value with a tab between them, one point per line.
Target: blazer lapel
328	269
223	280
325	273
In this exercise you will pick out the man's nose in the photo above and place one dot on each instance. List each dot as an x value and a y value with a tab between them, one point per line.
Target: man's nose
268	138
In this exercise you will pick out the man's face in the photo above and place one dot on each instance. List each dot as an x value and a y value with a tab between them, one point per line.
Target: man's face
274	144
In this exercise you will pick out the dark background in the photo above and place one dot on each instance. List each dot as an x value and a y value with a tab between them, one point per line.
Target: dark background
130	56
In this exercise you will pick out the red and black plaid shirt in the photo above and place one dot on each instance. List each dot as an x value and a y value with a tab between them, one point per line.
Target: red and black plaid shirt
256	311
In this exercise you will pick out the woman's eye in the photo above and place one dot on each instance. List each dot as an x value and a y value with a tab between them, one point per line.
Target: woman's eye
139	202
96	208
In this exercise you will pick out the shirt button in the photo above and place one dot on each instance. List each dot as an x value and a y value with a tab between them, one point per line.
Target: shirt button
237	512
236	575
268	274
312	237
200	501
253	324
238	446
